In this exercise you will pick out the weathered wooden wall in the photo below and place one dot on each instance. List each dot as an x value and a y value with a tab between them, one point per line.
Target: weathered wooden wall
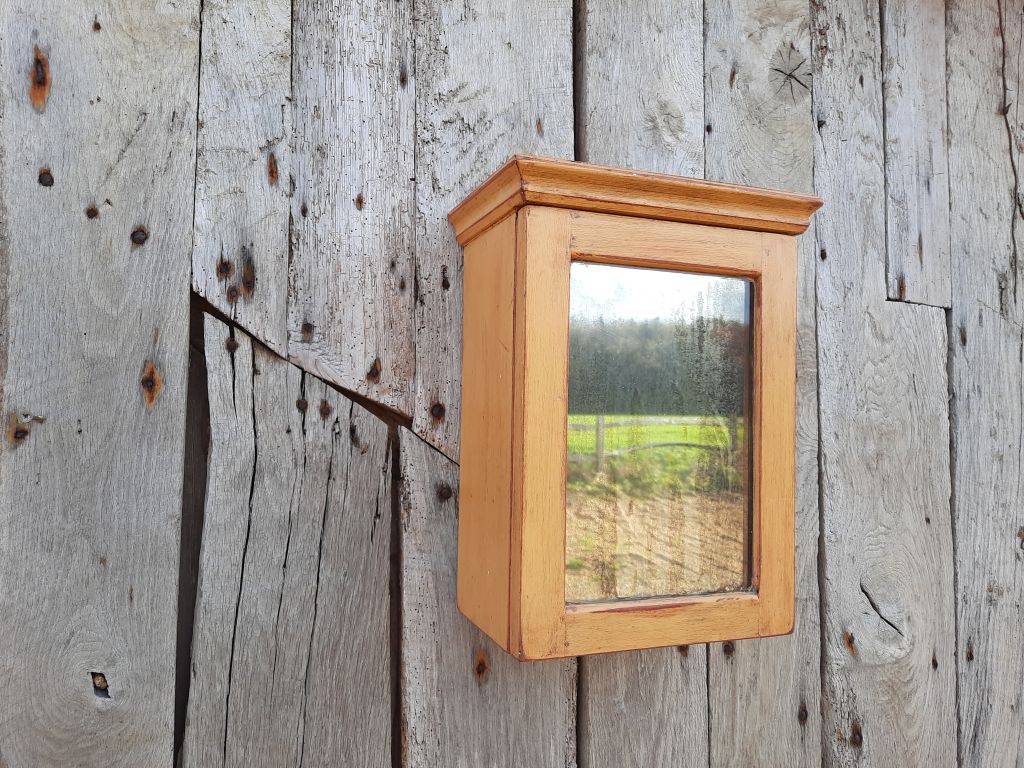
279	491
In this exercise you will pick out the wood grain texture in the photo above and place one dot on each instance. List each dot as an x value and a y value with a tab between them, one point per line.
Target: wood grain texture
465	702
352	279
240	252
491	80
916	178
97	108
640	94
608	730
758	102
887	552
986	346
292	611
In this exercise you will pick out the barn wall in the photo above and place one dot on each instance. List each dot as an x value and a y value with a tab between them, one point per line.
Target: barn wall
232	540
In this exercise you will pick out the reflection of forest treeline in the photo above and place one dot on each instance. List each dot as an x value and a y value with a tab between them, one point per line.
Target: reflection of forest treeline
693	367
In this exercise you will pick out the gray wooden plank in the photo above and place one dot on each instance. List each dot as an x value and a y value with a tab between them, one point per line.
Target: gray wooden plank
352	276
640	95
758	80
240	252
292	611
887	582
916	180
986	370
465	702
492	79
642	105
98	113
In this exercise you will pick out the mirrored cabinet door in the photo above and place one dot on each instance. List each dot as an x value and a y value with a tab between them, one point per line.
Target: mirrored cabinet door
659	475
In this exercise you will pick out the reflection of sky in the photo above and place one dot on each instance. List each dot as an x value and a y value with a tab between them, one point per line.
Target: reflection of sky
632	293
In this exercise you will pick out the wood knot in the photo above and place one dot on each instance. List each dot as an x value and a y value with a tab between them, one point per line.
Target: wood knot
92	212
444	492
728	648
307	331
39	80
373	375
970	650
360	201
225	268
445	283
45	177
481	665
272	172
248	281
302	404
18	429
151	384
100	687
856	736
231	344
850	642
801	714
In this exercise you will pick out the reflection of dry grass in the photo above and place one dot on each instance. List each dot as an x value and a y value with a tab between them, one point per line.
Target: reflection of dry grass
627	547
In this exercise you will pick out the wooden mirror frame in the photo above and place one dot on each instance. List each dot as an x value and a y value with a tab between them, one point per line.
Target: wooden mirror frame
522	229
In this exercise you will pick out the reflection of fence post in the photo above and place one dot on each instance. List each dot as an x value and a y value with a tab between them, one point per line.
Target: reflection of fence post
599	441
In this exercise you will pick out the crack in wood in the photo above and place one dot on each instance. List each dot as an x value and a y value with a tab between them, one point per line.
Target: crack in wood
875	608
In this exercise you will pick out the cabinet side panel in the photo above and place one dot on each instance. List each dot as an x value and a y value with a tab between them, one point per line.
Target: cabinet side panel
485	480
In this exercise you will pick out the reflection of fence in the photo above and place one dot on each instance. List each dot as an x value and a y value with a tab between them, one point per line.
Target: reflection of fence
599	425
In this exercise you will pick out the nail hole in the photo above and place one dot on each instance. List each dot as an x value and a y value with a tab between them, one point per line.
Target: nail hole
99	685
140	235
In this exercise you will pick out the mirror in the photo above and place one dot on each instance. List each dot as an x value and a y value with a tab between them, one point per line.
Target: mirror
659	475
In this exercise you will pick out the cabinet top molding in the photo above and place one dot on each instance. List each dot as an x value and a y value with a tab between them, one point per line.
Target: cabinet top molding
529	180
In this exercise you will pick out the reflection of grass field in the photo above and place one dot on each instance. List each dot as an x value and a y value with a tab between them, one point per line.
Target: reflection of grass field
652	517
661	470
616	438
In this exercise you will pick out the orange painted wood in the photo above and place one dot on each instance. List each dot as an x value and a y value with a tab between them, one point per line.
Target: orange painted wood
527	180
484	481
511	579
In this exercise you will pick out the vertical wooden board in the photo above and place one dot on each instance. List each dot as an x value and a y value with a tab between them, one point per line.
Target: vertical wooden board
887	580
987	344
640	85
348	694
240	251
655	64
644	708
465	702
352	275
916	178
97	109
758	81
491	80
292	608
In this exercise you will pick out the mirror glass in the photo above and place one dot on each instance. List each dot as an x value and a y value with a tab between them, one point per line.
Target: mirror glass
659	469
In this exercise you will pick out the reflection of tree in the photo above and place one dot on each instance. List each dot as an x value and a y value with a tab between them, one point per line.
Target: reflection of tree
695	364
717	349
